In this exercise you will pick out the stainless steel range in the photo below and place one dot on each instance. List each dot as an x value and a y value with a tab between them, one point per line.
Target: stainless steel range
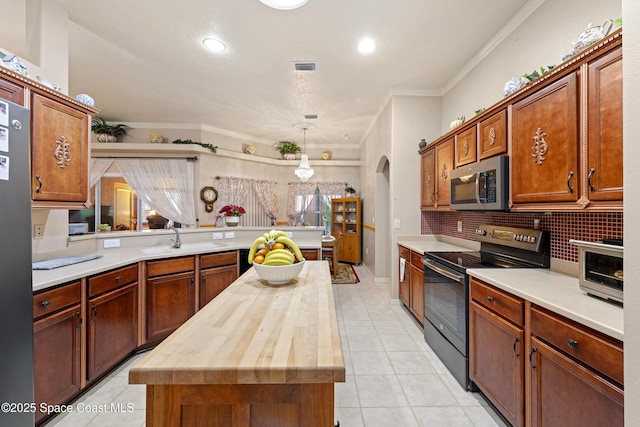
446	288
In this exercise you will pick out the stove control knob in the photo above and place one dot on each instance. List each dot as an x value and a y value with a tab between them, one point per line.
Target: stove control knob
518	238
532	239
481	232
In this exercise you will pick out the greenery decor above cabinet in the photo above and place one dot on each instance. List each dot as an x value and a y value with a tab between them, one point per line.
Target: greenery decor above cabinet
59	141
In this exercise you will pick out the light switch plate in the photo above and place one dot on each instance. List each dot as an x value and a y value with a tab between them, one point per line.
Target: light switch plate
459	226
229	234
396	223
217	236
111	243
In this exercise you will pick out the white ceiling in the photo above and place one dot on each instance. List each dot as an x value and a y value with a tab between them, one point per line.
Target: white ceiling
143	60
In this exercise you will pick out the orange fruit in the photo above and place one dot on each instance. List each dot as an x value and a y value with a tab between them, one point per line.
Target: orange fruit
258	259
262	252
277	245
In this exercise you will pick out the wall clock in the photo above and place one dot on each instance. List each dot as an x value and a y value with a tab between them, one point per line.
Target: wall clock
208	195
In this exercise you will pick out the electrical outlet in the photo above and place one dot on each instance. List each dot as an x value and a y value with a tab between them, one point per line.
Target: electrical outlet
111	243
459	226
217	236
366	251
396	223
38	231
229	234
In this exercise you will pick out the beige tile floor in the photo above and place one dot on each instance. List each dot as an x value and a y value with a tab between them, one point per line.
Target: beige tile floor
393	377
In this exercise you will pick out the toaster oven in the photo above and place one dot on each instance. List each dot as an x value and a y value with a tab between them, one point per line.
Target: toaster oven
601	268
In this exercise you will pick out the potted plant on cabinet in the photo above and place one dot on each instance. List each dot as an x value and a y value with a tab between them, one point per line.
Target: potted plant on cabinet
106	132
287	149
232	214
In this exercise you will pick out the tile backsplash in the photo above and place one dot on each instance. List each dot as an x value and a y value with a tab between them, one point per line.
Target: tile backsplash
588	226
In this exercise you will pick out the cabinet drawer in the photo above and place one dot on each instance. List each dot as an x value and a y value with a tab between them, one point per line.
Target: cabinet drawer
310	254
218	260
602	353
502	303
56	299
416	260
403	252
170	266
112	279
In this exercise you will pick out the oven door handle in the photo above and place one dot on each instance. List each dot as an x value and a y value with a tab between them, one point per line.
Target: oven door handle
432	266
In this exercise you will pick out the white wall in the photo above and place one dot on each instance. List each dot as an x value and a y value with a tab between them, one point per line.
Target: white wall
631	109
541	40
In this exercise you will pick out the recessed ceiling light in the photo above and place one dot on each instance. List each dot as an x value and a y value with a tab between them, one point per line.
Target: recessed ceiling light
284	4
214	45
366	45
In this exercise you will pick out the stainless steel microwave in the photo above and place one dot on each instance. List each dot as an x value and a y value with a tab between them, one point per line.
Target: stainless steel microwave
481	186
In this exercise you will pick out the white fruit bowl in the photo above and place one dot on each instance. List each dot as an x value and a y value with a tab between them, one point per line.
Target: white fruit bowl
279	274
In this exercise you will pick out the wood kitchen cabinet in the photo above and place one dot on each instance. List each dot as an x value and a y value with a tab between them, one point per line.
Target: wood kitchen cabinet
404	286
416	287
11	92
496	348
56	345
112	314
576	374
427	179
544	157
492	134
465	147
217	271
170	299
444	164
346	227
59	152
604	152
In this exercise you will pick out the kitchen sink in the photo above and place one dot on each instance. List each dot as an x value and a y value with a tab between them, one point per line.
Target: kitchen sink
186	247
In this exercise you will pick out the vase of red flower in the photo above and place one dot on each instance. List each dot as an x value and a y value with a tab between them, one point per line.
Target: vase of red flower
232	214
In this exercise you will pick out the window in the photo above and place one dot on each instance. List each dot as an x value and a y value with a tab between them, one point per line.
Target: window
318	210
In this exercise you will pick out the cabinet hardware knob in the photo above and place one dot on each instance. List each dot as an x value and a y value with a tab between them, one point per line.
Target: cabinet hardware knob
591	187
79	320
39	184
489	298
533	350
569	181
572	343
515	345
95	313
118	278
45	303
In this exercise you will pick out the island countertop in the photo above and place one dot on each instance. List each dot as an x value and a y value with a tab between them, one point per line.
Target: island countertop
254	333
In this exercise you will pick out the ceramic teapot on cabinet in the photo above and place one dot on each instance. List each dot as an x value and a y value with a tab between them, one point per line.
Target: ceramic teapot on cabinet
591	35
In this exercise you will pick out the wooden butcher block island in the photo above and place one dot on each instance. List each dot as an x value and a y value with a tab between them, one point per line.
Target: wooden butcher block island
256	355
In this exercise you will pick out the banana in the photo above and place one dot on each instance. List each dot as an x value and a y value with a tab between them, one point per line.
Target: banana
287	241
284	253
276	262
254	248
279	258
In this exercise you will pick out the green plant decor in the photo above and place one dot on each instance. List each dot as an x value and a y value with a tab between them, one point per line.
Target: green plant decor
534	75
210	147
350	190
100	125
284	147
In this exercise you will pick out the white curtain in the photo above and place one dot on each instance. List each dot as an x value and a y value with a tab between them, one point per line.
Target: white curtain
332	189
165	184
231	191
98	168
267	197
299	199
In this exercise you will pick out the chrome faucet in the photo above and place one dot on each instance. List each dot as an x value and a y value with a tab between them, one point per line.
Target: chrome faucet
176	243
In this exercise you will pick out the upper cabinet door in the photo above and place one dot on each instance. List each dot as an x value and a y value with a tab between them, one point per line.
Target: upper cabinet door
427	179
545	146
444	166
11	92
466	147
59	152
604	157
493	136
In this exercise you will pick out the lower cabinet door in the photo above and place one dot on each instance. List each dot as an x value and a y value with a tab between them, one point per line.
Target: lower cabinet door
496	361
564	393
214	281
170	303
56	354
416	280
112	331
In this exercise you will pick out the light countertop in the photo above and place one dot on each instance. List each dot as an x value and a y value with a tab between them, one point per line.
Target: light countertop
559	293
118	257
255	333
431	243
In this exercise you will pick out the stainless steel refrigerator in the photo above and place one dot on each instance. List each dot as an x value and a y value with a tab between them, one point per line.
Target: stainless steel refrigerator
16	325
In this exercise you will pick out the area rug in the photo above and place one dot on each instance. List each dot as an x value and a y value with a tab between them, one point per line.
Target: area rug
345	275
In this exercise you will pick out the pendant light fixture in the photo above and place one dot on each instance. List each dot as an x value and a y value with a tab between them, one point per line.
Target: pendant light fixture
284	4
304	171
